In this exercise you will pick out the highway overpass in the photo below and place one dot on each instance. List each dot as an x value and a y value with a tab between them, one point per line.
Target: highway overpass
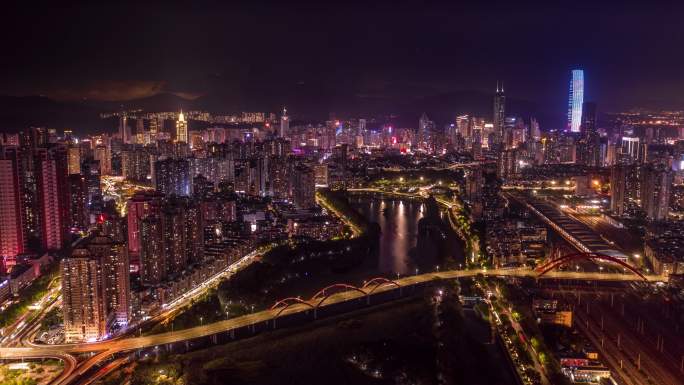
297	313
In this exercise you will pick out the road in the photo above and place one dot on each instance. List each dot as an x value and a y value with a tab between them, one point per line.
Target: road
28	321
538	367
105	349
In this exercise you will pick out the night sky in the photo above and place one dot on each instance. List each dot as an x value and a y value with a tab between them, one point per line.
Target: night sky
632	54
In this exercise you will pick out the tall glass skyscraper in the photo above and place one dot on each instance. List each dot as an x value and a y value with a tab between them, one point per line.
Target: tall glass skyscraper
575	101
499	110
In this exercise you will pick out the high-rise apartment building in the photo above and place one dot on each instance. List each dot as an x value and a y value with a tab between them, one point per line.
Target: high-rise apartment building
303	187
90	169
172	177
135	164
141	205
74	159
618	186
656	189
114	265
53	196
82	298
171	239
95	289
576	100
78	202
12	235
103	154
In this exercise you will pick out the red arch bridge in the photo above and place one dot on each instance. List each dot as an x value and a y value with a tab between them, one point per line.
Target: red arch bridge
557	262
368	288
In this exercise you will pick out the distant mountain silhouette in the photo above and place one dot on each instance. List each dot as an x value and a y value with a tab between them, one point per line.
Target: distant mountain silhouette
17	113
159	102
305	103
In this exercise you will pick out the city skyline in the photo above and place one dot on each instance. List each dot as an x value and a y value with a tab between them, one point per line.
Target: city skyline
335	193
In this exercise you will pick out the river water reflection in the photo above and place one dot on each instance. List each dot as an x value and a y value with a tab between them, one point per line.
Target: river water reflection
398	220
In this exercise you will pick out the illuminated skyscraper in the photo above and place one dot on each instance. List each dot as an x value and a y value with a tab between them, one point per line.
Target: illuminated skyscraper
170	239
82	304
618	177
74	160
499	110
576	100
124	129
181	129
95	289
303	187
53	196
141	205
172	177
425	129
284	124
12	240
656	189
154	127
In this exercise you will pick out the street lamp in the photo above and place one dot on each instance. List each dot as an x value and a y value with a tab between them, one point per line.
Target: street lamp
201	321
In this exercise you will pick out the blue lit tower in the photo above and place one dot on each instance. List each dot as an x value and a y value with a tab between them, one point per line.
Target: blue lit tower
576	100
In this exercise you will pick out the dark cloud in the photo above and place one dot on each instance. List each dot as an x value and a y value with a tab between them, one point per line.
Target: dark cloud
109	90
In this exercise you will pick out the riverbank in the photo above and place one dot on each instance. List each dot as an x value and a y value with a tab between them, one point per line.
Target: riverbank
424	339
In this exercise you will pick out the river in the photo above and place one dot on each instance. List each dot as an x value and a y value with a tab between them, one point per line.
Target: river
402	248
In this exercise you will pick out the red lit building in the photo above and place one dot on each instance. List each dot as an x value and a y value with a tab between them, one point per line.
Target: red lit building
12	242
141	205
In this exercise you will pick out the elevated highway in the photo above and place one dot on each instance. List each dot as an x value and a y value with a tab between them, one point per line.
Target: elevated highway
276	317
